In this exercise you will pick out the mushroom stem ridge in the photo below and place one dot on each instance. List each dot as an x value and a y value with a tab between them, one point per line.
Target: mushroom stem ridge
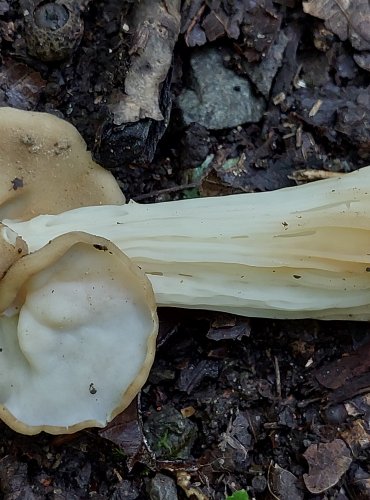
293	253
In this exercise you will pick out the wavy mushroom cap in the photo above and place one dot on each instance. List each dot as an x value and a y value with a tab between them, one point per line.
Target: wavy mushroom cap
78	327
46	169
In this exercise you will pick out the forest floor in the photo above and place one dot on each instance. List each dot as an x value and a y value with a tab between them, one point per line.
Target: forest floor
280	409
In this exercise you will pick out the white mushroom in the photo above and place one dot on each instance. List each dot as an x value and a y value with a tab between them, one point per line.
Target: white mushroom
78	327
77	317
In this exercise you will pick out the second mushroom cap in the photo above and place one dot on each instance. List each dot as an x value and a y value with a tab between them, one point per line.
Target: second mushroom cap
45	167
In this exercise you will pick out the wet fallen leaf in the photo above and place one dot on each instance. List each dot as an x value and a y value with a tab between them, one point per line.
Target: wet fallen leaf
126	432
327	464
233	330
192	375
354	387
255	25
357	436
284	484
358	406
348	19
337	373
22	85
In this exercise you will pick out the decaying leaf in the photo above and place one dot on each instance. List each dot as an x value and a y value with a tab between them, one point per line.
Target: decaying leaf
357	436
327	463
336	374
284	484
125	431
21	85
254	24
348	19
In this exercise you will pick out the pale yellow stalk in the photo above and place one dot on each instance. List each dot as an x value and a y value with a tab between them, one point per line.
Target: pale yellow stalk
293	253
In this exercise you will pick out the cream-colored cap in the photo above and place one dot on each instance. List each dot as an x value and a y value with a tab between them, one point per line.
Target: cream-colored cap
78	329
45	167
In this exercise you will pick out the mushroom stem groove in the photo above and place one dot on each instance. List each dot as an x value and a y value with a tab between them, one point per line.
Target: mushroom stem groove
293	253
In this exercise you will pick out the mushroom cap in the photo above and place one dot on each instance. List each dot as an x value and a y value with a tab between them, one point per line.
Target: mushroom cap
78	328
46	169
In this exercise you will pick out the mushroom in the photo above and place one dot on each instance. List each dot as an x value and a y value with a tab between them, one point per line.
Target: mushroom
78	327
77	317
45	167
293	253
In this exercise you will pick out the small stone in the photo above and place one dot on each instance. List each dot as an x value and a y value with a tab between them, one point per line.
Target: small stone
162	487
218	98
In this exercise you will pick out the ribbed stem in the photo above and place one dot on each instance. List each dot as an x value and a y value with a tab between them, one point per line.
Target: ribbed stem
294	253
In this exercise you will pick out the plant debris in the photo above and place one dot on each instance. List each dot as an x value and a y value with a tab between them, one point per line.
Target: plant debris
328	462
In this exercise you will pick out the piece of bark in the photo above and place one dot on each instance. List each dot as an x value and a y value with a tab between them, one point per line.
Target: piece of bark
349	19
155	26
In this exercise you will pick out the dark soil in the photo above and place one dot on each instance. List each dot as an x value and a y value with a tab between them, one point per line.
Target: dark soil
278	408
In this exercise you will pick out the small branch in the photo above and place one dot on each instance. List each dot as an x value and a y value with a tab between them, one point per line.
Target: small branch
173	189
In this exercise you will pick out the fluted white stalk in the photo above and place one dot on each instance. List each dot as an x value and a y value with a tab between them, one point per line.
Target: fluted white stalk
293	253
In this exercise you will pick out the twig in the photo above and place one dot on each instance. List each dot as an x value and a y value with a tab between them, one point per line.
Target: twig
278	378
173	189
